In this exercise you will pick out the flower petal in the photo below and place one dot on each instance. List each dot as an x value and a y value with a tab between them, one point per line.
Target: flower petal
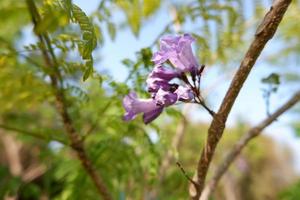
165	98
184	94
163	73
178	50
134	106
129	116
127	101
154	84
150	116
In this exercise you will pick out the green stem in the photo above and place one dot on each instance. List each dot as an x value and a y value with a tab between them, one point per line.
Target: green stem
34	134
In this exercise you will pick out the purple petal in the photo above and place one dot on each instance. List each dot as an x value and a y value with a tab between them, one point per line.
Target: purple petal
127	101
185	51
150	116
186	38
129	116
163	73
165	98
134	106
154	84
178	50
168	42
159	78
184	94
159	58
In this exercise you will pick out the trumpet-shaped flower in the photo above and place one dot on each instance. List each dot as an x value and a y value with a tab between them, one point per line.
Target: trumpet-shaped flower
178	50
134	106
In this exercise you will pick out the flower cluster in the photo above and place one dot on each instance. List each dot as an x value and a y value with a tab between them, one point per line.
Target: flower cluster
177	51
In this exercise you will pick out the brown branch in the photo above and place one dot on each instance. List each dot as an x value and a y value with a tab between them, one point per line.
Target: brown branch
229	188
264	33
33	172
61	105
12	151
237	148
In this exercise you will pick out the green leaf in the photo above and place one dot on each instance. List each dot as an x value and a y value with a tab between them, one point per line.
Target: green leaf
146	54
272	79
132	10
53	17
150	6
99	35
68	5
297	129
89	42
89	70
129	63
111	30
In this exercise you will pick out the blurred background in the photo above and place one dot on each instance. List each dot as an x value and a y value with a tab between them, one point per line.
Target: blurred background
138	161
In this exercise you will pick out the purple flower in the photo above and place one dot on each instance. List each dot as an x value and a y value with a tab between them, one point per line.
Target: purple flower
178	51
165	98
152	115
159	78
163	73
154	84
184	94
134	106
150	107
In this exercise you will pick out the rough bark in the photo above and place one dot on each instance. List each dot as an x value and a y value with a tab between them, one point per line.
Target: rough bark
61	105
264	33
237	148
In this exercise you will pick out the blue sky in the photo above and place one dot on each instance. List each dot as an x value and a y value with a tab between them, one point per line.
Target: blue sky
249	106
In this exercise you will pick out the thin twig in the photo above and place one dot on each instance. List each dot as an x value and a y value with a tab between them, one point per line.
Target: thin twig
33	134
185	174
264	33
211	112
202	103
197	96
198	102
61	105
176	143
244	140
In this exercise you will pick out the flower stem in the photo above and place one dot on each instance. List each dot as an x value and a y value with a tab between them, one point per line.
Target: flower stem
202	103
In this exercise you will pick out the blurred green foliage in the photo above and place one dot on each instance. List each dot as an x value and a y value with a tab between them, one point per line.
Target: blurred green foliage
291	193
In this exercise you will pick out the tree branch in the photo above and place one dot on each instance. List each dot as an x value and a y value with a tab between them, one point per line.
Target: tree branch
264	33
61	105
237	148
34	134
12	150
